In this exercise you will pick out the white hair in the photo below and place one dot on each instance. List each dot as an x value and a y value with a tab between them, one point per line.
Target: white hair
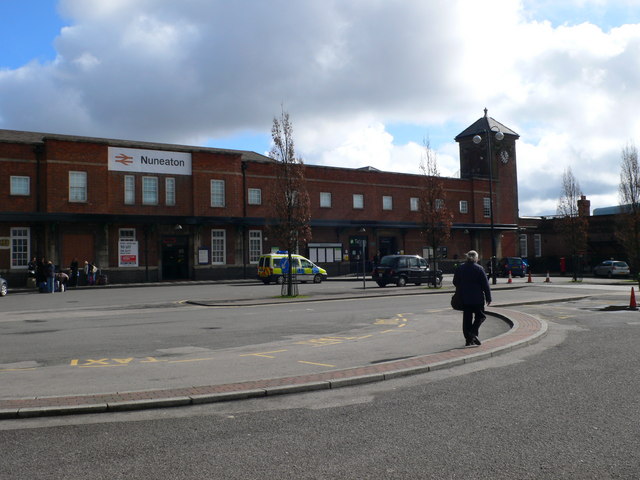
472	256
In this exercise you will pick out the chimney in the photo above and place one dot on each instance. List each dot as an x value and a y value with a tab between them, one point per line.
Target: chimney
584	207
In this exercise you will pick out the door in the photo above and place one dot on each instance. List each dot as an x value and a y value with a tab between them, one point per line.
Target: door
387	246
306	267
423	270
175	258
414	270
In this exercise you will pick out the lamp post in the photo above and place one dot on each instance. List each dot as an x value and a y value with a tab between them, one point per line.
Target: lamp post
477	139
363	243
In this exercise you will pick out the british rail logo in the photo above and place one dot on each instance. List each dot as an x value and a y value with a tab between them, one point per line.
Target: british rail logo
124	159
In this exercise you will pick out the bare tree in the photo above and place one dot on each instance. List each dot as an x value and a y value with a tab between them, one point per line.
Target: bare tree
290	200
571	224
628	231
436	218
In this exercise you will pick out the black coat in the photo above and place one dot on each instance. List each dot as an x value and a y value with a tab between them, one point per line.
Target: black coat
471	282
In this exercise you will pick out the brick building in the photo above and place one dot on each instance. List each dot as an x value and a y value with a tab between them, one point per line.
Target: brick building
150	212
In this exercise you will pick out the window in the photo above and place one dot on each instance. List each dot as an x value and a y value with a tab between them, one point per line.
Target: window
77	186
255	245
486	207
387	202
20	240
170	191
358	200
218	247
537	245
127	234
414	204
217	193
325	200
19	185
523	246
439	204
325	252
149	190
129	189
255	196
464	206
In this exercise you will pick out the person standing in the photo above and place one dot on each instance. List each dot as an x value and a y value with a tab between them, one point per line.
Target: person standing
41	274
51	274
73	277
471	282
87	272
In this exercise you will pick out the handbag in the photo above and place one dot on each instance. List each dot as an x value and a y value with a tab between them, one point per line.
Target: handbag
456	301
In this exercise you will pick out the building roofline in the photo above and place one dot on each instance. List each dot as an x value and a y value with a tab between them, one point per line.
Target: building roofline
482	125
39	138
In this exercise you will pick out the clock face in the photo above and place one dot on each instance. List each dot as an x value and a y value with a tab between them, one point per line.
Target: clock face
504	156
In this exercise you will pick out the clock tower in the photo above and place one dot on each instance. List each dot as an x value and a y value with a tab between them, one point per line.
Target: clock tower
474	149
488	164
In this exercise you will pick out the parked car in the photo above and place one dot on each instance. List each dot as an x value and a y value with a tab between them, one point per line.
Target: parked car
271	265
515	265
403	269
4	287
612	268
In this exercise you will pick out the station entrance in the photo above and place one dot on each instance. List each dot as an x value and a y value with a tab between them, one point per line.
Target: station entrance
175	257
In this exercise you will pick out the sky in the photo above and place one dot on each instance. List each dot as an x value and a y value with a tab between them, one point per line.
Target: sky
366	82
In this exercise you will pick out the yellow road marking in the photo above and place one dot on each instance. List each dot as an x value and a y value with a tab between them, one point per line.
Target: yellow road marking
318	364
102	361
16	369
123	360
263	354
386	321
320	342
102	366
190	360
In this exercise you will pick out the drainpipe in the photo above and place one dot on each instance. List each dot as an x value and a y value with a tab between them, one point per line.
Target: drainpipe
39	151
245	248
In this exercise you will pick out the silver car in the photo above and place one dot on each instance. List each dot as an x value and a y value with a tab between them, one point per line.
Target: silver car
612	268
3	287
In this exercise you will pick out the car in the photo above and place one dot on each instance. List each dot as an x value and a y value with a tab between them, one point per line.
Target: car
612	268
515	265
4	287
272	266
403	269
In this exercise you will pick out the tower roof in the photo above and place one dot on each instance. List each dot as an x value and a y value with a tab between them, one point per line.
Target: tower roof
483	124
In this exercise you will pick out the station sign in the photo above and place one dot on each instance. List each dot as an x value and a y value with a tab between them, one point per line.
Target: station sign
135	160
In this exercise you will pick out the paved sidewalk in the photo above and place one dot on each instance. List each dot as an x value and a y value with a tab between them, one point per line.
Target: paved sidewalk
525	330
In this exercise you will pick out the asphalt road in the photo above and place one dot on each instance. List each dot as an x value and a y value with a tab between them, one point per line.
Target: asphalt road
565	407
121	340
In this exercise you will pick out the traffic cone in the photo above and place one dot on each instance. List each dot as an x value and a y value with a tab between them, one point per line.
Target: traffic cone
632	301
548	280
510	278
529	280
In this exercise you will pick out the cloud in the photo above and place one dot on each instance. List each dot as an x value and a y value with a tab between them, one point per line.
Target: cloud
188	72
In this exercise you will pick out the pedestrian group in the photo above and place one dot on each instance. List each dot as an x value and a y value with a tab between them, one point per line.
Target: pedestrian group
49	279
